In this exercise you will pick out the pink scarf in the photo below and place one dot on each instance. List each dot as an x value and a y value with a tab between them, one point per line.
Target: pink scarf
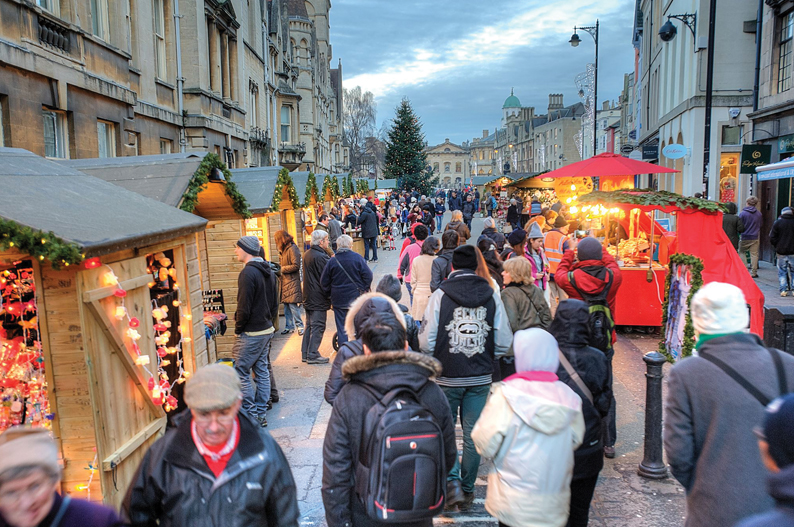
540	376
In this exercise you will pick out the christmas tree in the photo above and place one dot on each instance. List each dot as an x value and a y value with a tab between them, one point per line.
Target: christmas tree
406	160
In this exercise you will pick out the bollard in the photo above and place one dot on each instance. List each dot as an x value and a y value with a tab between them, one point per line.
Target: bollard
652	466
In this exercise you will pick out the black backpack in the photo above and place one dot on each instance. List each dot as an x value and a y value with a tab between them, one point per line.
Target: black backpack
601	323
400	473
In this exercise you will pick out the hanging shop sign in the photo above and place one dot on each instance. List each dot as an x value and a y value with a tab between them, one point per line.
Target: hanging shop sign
650	152
785	144
754	156
674	151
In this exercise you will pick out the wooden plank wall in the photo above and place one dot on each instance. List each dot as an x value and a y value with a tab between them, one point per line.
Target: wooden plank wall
195	287
223	270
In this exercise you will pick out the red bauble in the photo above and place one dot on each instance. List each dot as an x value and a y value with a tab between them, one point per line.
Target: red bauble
134	322
151	383
160	327
120	293
162	352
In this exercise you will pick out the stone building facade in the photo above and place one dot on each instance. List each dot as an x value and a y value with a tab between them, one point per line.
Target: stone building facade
482	161
137	77
450	162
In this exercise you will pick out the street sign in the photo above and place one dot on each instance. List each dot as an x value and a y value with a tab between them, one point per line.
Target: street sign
626	149
754	156
674	151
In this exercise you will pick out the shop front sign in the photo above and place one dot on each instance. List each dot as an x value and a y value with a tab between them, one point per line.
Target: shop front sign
785	144
754	156
674	151
650	152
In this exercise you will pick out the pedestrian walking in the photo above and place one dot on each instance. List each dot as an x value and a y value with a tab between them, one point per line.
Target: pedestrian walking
732	224
30	481
468	210
530	428
423	417
390	286
214	467
368	221
492	259
489	229
513	215
751	219
587	374
442	265
537	256
714	400
491	205
421	275
782	239
555	244
465	327
456	224
408	255
594	276
455	203
257	307
440	210
477	199
316	301
345	278
777	453
324	225
516	245
365	307
291	294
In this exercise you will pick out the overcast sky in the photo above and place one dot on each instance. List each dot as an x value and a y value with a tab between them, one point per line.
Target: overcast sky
456	60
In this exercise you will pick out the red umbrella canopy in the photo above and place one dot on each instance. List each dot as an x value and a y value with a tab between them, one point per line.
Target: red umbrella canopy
608	165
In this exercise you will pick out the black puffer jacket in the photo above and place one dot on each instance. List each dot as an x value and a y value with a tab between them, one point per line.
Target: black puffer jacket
175	487
360	310
382	372
498	238
314	297
290	260
468	209
441	268
571	329
782	234
411	329
368	222
257	298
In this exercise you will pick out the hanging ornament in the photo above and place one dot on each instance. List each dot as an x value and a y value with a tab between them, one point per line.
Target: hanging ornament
120	313
134	322
120	293
110	279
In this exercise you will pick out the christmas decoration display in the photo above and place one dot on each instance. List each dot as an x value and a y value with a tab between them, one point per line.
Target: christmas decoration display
200	181
649	197
311	186
684	279
284	179
330	185
406	159
362	186
38	244
337	190
23	385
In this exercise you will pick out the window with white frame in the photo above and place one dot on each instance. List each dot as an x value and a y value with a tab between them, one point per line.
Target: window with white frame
166	146
56	138
106	138
285	123
100	23
159	39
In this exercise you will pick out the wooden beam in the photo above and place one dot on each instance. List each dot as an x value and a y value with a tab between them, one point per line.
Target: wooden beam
127	285
132	444
113	336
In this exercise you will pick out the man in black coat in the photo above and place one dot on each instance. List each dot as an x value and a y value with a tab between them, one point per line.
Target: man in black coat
455	202
468	210
782	239
489	229
316	301
571	328
368	220
381	372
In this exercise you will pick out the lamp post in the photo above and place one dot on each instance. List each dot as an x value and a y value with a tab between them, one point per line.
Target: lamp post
575	41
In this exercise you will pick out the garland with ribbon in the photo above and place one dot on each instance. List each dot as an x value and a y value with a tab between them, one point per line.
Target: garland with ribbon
659	198
311	188
200	180
696	267
284	179
39	244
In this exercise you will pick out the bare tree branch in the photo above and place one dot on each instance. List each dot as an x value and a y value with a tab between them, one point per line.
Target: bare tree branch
359	125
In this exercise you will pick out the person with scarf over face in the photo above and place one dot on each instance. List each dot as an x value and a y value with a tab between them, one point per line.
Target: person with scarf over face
530	428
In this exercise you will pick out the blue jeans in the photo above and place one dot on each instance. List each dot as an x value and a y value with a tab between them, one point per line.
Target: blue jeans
477	204
373	243
292	316
252	354
340	314
439	222
785	268
470	401
410	293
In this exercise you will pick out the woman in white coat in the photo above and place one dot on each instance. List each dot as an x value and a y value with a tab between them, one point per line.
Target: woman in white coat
421	275
530	427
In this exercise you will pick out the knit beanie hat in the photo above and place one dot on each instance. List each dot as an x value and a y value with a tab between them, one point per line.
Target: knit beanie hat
22	446
560	222
589	249
778	429
464	257
534	231
517	237
719	308
249	244
390	286
213	387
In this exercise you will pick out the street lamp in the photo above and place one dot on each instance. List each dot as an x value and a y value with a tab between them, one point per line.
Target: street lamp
575	41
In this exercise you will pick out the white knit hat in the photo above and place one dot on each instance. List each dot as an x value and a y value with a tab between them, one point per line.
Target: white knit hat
719	308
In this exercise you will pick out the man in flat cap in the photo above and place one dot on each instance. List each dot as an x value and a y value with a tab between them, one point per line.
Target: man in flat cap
216	467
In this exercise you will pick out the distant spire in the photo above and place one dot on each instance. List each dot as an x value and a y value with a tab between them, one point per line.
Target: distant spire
511	91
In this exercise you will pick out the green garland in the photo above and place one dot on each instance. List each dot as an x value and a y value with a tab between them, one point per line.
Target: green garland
311	187
335	188
284	179
200	180
696	265
328	186
38	244
659	198
362	186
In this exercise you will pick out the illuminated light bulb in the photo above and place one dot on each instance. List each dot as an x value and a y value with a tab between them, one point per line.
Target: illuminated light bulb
162	352
568	200
41	257
43	241
187	339
165	362
132	334
11	244
188	316
121	312
167	323
119	293
110	278
176	303
573	187
134	322
160	327
574	210
143	360
81	488
151	285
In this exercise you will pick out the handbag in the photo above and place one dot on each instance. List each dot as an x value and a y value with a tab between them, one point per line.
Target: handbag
575	377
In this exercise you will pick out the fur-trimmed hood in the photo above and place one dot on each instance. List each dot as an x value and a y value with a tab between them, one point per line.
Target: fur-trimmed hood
366	363
365	305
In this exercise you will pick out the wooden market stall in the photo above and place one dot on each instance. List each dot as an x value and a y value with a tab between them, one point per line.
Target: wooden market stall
97	330
330	190
199	183
311	205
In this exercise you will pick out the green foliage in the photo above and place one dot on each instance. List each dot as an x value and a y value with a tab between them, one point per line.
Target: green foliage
330	185
659	198
284	179
337	190
200	180
406	159
696	266
311	187
362	186
38	244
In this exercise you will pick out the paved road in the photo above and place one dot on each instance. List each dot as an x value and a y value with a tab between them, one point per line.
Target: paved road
299	422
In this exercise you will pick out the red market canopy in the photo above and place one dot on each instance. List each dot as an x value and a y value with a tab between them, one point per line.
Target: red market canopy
608	165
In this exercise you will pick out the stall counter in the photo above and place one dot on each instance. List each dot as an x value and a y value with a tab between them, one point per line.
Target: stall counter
638	301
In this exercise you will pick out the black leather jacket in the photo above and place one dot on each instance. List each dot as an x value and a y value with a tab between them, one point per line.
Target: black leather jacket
174	487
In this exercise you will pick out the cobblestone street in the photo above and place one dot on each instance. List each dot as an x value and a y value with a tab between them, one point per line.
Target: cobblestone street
622	498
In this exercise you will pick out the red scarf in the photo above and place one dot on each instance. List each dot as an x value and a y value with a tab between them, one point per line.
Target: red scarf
217	456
